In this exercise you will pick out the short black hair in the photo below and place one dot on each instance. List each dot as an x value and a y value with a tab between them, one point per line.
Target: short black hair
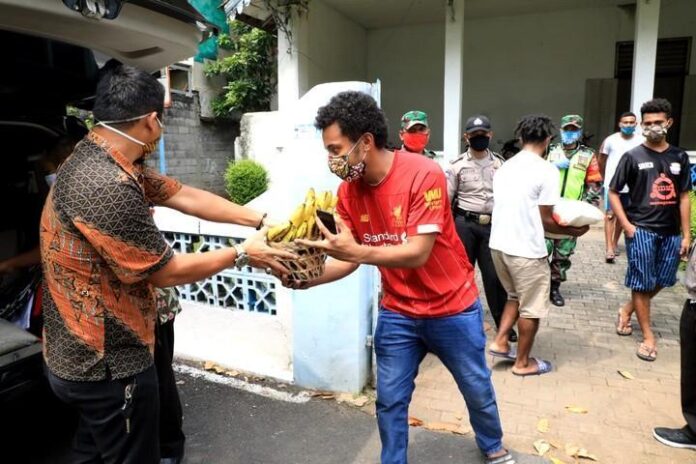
125	92
356	114
656	105
534	128
626	114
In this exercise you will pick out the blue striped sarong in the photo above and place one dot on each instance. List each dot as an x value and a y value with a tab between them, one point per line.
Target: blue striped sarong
653	260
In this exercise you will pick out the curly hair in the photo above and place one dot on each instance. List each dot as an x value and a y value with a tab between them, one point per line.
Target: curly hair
356	114
534	128
656	105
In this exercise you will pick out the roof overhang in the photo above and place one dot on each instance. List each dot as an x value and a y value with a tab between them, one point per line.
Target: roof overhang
139	36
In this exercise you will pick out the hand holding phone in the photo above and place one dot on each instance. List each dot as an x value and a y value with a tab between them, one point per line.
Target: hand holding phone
328	220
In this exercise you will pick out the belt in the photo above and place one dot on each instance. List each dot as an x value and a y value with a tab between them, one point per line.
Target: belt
479	218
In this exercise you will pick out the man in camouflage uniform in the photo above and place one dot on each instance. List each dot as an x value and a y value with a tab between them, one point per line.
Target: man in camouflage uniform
415	133
580	179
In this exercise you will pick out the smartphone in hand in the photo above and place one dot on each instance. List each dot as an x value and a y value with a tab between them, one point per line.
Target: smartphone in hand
328	220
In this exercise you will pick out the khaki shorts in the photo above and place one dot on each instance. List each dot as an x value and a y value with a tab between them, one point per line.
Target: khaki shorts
527	280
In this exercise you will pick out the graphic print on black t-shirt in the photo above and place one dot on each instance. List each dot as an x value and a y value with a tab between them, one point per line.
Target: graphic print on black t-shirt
655	181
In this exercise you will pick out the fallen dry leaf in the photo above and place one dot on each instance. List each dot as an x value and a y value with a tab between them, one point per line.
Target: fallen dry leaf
556	461
232	373
576	409
324	395
358	401
543	425
626	375
584	454
414	421
542	447
208	365
446	427
572	450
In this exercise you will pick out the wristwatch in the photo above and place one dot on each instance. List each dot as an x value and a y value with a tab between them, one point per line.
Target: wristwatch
242	259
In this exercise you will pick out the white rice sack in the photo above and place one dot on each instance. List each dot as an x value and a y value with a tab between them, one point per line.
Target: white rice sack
574	213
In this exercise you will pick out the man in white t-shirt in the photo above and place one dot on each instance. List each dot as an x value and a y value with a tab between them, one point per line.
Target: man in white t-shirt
611	151
525	190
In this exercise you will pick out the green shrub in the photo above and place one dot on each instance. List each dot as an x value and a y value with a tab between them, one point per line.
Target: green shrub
245	180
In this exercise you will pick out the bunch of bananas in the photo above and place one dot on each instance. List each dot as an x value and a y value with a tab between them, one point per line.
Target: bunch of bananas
302	223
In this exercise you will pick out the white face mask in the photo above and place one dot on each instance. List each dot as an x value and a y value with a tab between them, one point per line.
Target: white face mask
50	179
147	147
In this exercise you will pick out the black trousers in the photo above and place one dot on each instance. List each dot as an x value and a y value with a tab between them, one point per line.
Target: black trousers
171	414
475	238
118	419
687	337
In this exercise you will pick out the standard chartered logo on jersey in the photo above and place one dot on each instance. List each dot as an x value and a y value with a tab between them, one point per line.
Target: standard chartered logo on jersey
385	239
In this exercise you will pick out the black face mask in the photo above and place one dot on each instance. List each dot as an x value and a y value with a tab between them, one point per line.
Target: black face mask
479	142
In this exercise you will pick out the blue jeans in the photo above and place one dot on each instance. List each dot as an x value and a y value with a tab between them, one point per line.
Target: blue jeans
401	343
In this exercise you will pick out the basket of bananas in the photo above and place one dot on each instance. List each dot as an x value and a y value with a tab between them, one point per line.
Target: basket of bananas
302	225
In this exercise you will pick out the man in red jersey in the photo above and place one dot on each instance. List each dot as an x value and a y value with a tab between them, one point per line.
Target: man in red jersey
393	213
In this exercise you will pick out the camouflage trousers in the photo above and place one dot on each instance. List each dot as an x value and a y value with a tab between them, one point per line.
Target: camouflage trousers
560	252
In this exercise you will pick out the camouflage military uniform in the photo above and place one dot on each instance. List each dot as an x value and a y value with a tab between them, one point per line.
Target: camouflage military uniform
560	250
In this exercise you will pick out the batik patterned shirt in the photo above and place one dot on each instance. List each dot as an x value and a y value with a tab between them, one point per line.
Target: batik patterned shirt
99	244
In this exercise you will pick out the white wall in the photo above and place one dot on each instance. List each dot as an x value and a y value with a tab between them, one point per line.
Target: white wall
536	63
513	65
678	19
409	60
337	47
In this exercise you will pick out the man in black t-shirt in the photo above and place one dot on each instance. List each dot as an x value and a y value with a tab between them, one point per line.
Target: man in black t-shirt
656	222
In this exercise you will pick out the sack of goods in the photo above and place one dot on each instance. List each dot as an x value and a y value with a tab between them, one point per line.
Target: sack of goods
574	213
302	224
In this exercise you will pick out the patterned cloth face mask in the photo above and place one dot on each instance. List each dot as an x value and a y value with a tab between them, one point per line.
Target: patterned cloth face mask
339	165
655	133
147	147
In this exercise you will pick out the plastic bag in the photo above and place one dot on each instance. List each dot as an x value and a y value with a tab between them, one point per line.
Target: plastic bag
574	213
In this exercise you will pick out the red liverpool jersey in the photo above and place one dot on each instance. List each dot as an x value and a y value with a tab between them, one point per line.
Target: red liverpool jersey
412	200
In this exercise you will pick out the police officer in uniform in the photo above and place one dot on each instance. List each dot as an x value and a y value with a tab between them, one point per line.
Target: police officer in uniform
580	179
470	189
415	133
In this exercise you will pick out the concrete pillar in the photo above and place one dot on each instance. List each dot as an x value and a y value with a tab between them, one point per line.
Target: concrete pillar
454	71
645	52
292	63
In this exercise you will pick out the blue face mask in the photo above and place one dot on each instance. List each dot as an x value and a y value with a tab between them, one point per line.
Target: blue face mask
628	130
570	137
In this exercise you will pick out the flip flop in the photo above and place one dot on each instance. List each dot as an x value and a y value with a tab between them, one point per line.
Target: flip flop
510	355
504	459
623	331
543	367
646	353
610	258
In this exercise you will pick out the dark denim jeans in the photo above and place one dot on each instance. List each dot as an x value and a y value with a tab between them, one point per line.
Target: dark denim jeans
401	343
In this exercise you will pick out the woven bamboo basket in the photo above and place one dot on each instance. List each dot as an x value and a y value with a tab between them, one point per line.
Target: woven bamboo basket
308	266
